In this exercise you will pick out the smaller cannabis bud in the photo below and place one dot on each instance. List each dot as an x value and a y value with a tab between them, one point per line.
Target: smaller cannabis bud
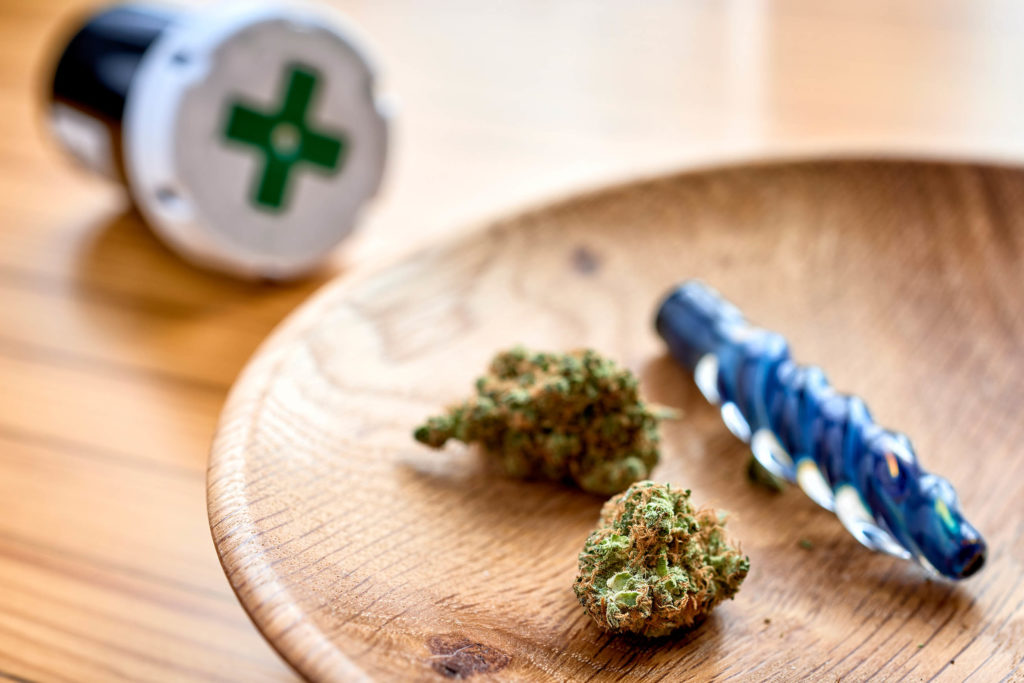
574	417
653	565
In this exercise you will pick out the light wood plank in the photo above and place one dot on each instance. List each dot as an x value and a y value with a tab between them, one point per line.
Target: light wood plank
115	355
88	599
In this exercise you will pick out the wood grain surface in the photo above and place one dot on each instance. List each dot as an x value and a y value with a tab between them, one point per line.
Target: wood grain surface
116	357
358	552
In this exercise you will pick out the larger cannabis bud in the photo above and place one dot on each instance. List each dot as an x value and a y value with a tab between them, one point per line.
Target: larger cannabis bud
574	417
654	565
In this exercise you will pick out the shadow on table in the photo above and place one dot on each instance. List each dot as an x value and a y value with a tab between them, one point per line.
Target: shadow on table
141	293
124	256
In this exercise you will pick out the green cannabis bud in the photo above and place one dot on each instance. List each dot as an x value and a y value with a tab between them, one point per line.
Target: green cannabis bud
574	417
654	565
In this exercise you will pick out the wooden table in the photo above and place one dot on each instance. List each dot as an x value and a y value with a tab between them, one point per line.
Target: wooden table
116	356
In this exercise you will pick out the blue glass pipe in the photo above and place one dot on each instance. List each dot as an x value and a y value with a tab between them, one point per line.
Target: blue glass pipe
801	429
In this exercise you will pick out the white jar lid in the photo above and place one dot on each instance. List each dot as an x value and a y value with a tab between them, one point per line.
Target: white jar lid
253	137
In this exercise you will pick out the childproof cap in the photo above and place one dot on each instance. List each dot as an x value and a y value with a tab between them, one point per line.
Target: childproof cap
250	136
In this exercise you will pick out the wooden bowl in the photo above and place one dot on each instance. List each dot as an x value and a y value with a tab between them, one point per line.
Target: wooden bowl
359	553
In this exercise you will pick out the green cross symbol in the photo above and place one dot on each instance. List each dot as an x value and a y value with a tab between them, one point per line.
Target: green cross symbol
285	139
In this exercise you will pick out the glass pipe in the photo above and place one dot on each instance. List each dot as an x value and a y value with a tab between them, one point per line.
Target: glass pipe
801	429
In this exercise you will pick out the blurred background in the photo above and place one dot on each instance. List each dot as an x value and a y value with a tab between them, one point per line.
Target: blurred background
116	356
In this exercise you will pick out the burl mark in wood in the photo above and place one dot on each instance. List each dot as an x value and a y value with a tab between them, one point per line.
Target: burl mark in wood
362	554
456	657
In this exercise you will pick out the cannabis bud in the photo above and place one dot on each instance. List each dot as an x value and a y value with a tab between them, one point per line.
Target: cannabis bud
654	565
574	417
